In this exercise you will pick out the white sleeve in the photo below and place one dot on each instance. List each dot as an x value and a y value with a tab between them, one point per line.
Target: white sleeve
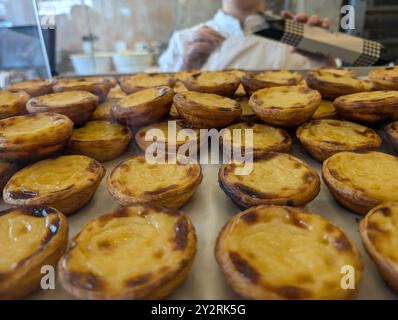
172	59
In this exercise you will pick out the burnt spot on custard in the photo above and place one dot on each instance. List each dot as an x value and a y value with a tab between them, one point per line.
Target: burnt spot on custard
342	243
160	190
308	177
138	281
93	167
387	212
375	228
104	245
121	213
250	217
291	292
253	193
22	194
244	268
181	234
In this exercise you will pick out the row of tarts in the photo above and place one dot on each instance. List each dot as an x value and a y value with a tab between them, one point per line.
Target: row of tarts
146	249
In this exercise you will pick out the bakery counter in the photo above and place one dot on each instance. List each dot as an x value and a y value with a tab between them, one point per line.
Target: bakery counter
205	195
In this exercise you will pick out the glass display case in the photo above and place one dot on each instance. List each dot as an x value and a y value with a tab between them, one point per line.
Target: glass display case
88	37
23	45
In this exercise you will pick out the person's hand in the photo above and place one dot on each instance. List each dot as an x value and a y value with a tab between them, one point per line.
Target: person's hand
202	43
315	21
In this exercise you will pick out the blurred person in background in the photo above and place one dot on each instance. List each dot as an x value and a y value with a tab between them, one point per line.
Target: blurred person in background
222	43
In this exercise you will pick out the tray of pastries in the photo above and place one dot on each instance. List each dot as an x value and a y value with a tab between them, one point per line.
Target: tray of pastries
316	216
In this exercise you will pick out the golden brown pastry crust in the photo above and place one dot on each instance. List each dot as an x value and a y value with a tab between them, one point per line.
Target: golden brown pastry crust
33	137
333	84
222	83
39	237
12	103
324	138
66	183
153	248
144	107
33	88
77	105
265	139
141	81
369	107
271	182
360	181
379	231
392	132
253	82
385	78
135	181
205	110
100	140
285	253
99	86
286	106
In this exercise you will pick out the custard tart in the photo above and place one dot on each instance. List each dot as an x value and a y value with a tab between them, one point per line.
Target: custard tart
66	183
30	238
275	179
141	81
182	140
265	139
253	82
385	78
206	110
136	253
360	181
33	137
95	85
379	232
100	140
12	103
288	106
215	82
369	107
7	169
104	111
144	107
332	84
77	105
136	181
326	110
324	138
392	133
34	88
285	253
